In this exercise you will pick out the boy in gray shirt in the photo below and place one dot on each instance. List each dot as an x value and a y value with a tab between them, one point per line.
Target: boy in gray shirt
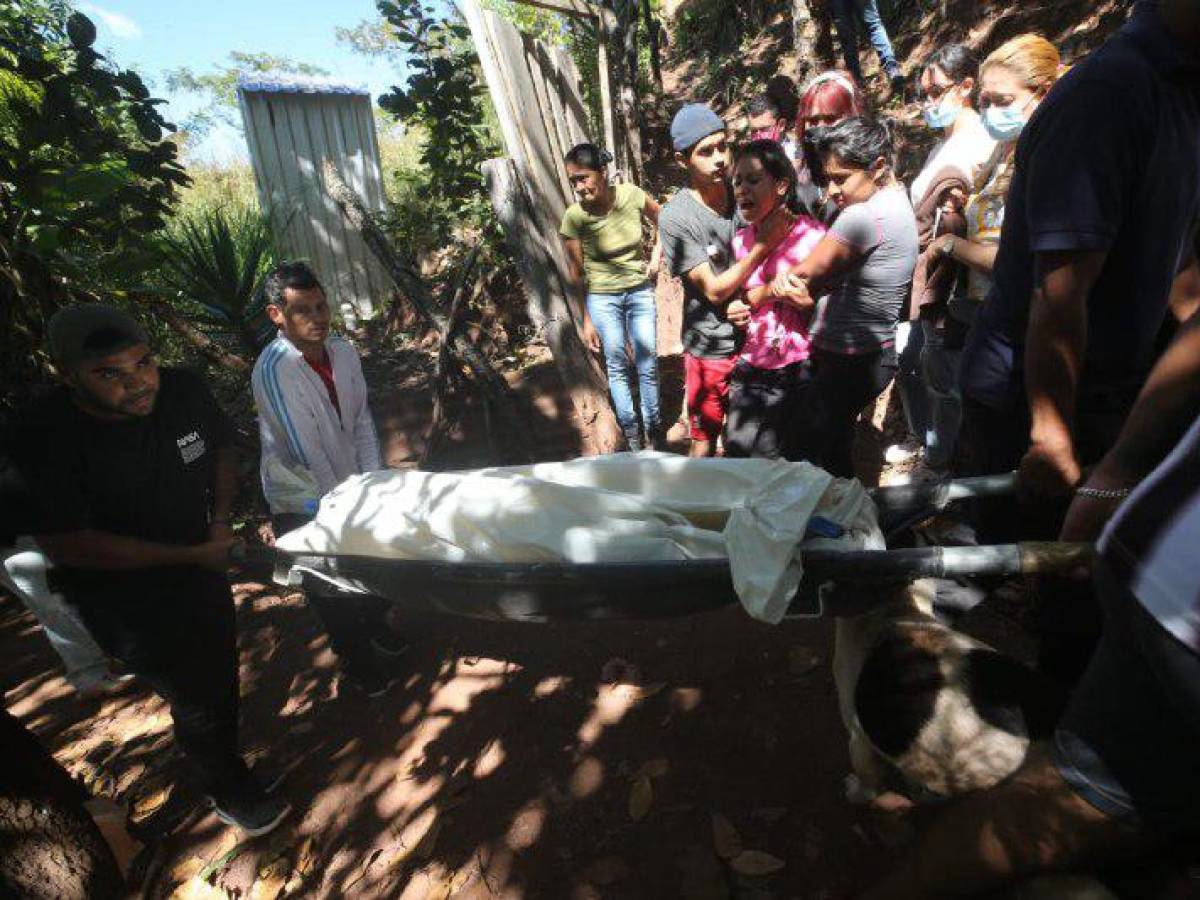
696	228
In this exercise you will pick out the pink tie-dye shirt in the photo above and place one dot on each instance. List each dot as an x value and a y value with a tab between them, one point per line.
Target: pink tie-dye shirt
777	335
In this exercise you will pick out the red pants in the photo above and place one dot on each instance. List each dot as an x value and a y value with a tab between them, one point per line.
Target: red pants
706	387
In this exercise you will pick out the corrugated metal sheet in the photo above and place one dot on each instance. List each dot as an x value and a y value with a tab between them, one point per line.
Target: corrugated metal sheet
292	126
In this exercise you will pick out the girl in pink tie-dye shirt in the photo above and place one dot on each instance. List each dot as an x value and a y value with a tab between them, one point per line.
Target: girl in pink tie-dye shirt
768	386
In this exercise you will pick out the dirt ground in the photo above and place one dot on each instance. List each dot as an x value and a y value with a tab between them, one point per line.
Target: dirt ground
516	761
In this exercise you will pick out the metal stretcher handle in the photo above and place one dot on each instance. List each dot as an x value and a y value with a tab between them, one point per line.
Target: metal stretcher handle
903	505
911	495
549	592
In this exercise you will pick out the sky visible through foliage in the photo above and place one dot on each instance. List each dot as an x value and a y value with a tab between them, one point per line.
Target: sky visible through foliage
154	37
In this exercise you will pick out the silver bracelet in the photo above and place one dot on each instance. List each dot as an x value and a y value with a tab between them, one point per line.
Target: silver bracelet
1102	494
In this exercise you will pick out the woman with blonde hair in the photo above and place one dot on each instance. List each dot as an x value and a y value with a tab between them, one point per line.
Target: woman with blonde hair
1013	80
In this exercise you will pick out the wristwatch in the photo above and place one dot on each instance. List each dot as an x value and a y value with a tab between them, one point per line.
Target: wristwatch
946	248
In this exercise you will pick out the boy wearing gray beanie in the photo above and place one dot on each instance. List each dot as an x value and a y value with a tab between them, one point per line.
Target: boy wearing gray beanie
696	228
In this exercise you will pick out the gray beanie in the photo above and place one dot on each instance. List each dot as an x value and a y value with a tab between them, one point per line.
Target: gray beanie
92	330
692	124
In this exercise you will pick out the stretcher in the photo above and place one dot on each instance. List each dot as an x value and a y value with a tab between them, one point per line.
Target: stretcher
554	591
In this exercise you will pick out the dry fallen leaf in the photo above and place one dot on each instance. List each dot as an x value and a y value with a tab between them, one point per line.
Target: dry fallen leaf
148	804
755	862
196	888
686	699
726	840
269	888
641	796
891	802
655	768
605	871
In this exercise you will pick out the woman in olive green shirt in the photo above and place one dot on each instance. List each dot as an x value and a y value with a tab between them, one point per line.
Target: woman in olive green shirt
603	238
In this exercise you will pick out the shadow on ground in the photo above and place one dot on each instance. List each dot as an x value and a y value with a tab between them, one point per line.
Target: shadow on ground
513	760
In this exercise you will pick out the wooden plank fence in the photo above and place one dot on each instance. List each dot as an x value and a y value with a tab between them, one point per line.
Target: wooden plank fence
536	92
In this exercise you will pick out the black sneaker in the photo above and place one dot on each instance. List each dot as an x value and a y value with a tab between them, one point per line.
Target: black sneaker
388	644
251	810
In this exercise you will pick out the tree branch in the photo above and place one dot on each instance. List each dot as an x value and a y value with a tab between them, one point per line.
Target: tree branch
404	275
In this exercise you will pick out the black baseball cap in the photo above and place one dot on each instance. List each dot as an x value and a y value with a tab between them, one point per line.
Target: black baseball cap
91	331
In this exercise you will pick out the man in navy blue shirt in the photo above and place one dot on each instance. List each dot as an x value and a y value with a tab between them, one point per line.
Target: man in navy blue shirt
1097	226
1096	255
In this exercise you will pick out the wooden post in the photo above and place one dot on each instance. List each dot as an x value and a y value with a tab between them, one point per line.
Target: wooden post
443	370
529	202
550	310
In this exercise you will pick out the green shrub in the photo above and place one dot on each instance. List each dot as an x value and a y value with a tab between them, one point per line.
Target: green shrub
211	264
85	176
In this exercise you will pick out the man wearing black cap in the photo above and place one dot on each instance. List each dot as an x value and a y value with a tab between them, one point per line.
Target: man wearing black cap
132	477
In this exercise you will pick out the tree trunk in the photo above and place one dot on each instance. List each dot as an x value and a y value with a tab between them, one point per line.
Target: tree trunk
550	311
49	846
812	34
623	29
652	36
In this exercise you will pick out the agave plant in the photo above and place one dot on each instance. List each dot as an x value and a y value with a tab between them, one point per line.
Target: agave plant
214	262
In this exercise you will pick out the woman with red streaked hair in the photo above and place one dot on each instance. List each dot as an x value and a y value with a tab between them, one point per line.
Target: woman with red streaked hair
828	99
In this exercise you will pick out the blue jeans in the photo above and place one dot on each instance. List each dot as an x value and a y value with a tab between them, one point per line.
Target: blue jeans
939	370
846	15
629	317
